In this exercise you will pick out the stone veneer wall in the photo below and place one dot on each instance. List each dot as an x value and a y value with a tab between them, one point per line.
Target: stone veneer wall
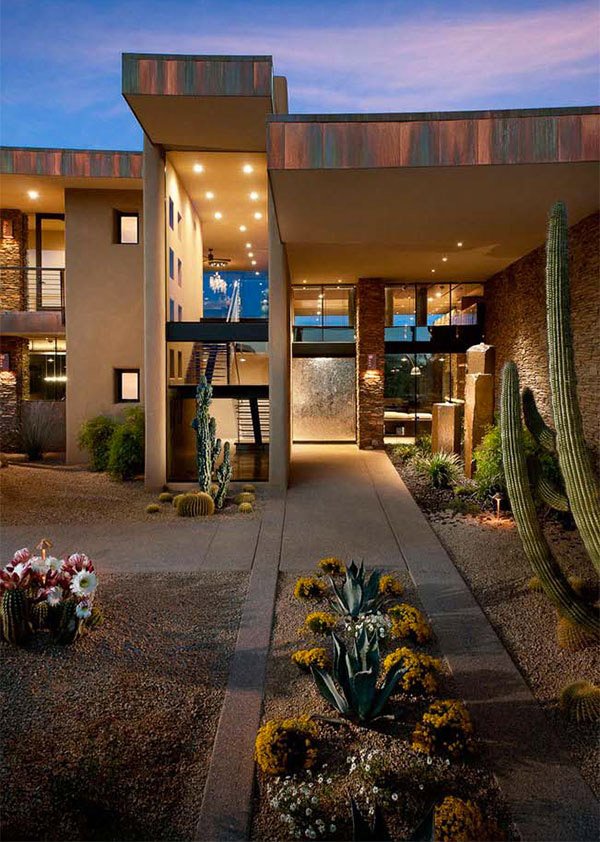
13	252
370	339
515	322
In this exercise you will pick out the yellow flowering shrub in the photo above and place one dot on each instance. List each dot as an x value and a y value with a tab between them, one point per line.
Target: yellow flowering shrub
286	745
459	821
420	677
409	623
332	566
307	658
308	587
320	622
390	586
445	728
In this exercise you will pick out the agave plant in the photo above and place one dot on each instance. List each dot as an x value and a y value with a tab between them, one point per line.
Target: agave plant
351	686
358	594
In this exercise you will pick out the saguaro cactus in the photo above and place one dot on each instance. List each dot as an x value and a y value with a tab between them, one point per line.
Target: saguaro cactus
573	456
208	446
223	476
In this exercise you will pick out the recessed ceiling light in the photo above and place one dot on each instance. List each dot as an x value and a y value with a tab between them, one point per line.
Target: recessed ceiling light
253	262
33	194
242	359
257	273
218	215
258	215
243	228
438	295
250	254
433	270
209	194
430	299
248	245
444	259
303	282
459	245
254	196
248	168
198	168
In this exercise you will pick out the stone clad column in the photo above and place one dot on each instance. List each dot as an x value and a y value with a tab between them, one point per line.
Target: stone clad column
370	361
479	398
155	378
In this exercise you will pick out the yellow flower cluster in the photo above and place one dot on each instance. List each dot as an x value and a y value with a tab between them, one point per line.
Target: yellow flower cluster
459	821
445	728
320	622
420	676
332	566
408	622
307	658
390	586
308	587
286	745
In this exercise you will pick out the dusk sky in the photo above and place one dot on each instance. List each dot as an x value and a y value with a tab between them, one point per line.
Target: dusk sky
61	59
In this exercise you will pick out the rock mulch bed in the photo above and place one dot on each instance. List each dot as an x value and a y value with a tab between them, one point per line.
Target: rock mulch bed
52	495
419	783
111	738
489	556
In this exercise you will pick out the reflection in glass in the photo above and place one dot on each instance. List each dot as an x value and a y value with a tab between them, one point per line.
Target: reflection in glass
323	313
220	298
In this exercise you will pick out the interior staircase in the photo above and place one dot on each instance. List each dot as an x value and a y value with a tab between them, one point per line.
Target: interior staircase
253	421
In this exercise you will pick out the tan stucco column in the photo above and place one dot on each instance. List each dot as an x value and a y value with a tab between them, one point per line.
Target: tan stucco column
154	317
279	356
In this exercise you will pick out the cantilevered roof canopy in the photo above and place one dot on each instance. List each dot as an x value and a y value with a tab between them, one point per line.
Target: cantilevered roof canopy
392	195
217	103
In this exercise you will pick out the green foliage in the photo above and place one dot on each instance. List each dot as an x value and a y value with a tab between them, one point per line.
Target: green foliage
580	701
176	499
286	745
195	505
246	508
351	686
358	593
208	446
423	444
152	508
249	487
16	627
126	453
442	469
244	497
95	436
463	507
404	452
165	497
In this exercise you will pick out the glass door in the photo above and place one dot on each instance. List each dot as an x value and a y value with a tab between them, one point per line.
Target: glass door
413	383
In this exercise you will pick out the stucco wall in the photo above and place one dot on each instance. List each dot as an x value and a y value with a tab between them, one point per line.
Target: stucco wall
185	239
515	322
104	305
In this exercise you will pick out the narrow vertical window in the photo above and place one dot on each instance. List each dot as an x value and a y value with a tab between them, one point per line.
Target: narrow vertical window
179	272
171	264
179	364
179	313
179	225
171	363
171	310
171	213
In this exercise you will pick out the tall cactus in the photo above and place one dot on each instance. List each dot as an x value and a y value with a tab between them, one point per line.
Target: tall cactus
208	446
223	476
554	582
573	456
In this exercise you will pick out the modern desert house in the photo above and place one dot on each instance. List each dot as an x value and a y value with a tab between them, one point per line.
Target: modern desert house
327	273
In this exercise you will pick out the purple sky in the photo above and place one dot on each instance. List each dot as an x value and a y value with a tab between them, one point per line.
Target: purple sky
61	69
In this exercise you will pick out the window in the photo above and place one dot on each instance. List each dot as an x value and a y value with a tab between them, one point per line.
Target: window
171	264
179	225
179	364
171	310
171	213
127	225
127	385
179	272
179	313
171	363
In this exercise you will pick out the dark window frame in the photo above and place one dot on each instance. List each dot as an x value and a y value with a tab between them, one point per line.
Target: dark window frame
120	215
118	372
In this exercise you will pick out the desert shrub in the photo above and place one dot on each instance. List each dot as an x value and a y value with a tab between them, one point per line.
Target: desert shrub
463	507
445	729
403	452
423	444
389	586
442	469
307	658
152	508
421	671
332	566
320	622
95	436
459	821
37	429
409	623
286	745
309	588
126	453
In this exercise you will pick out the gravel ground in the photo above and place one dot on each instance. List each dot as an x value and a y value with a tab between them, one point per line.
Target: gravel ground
490	558
58	494
290	692
111	738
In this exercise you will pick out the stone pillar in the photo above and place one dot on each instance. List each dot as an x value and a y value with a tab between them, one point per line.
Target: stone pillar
279	357
155	383
370	361
446	427
13	253
479	398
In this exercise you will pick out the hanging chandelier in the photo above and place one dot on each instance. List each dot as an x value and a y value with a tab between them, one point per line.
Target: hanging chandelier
217	283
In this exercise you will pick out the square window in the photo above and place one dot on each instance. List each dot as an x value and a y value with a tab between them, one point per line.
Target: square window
179	313
171	310
171	264
127	228
127	385
171	213
179	272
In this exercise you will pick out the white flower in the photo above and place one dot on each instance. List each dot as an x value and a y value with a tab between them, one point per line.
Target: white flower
54	595
308	811
332	828
328	780
55	564
367	767
21	568
429	761
84	583
375	789
394	796
39	564
314	800
83	610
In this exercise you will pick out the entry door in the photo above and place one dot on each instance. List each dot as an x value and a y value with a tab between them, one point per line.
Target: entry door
323	399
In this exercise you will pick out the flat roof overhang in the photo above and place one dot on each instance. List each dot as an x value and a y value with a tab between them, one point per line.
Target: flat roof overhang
391	195
216	103
32	324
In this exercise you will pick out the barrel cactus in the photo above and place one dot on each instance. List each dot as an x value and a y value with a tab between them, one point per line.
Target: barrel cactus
70	625
40	613
16	627
568	442
580	701
245	508
195	505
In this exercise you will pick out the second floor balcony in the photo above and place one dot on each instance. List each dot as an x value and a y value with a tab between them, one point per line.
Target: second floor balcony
32	289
